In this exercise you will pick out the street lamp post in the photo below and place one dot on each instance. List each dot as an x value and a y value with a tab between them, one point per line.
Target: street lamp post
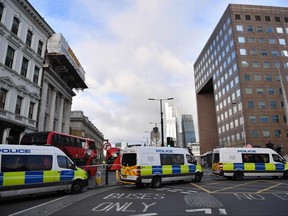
161	113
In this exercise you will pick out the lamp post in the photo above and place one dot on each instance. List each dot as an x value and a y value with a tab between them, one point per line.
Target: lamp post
243	127
161	113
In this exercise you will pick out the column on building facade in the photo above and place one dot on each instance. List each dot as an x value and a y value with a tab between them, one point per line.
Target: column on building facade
6	133
60	118
41	118
67	112
52	110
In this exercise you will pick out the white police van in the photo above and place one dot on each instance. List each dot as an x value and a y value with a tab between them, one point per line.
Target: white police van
38	169
145	165
239	162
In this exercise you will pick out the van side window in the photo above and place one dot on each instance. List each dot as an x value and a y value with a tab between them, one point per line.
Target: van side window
64	162
172	159
255	158
277	158
190	159
17	163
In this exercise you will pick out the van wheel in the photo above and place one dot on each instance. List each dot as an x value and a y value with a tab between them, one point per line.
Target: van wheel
156	182
285	175
77	187
238	176
197	177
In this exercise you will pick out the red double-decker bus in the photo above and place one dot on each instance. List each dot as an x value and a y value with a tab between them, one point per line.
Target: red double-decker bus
113	156
81	150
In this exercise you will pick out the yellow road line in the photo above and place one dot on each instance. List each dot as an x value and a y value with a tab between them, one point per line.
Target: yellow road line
238	185
265	189
207	191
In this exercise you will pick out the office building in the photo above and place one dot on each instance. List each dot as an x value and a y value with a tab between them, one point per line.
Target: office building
188	131
241	80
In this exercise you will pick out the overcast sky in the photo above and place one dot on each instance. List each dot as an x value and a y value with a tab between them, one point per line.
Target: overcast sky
132	50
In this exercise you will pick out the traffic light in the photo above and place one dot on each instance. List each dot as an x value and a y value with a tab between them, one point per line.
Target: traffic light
170	142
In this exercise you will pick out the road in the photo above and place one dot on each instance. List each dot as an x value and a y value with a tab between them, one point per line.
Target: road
212	196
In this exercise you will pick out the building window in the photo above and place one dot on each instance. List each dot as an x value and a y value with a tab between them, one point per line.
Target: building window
268	78
282	41
269	29
18	105
259	91
257	77
266	133
274	53
1	10
243	52
264	119
264	52
255	64
31	110
254	134
252	118
277	133
261	40
36	75
9	57
250	104
3	93
249	28
254	52
259	29
262	105
241	40
247	77
40	48
266	65
284	53
15	25
248	91
275	118
237	17
279	30
29	38
257	18
267	18
251	39
247	17
24	67
273	104
239	28
277	19
270	91
244	64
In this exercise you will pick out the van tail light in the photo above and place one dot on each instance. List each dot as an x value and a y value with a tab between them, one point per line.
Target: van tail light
138	171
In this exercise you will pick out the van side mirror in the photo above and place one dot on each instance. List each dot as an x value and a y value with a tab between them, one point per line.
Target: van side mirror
72	166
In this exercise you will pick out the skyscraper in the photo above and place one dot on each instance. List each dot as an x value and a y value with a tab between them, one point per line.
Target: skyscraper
241	79
188	131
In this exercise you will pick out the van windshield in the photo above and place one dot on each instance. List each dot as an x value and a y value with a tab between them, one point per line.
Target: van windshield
129	159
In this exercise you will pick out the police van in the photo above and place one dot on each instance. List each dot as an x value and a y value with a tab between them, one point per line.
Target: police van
38	169
239	162
145	165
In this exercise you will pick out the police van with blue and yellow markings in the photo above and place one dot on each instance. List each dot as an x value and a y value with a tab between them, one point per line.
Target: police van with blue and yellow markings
239	162
155	165
38	169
